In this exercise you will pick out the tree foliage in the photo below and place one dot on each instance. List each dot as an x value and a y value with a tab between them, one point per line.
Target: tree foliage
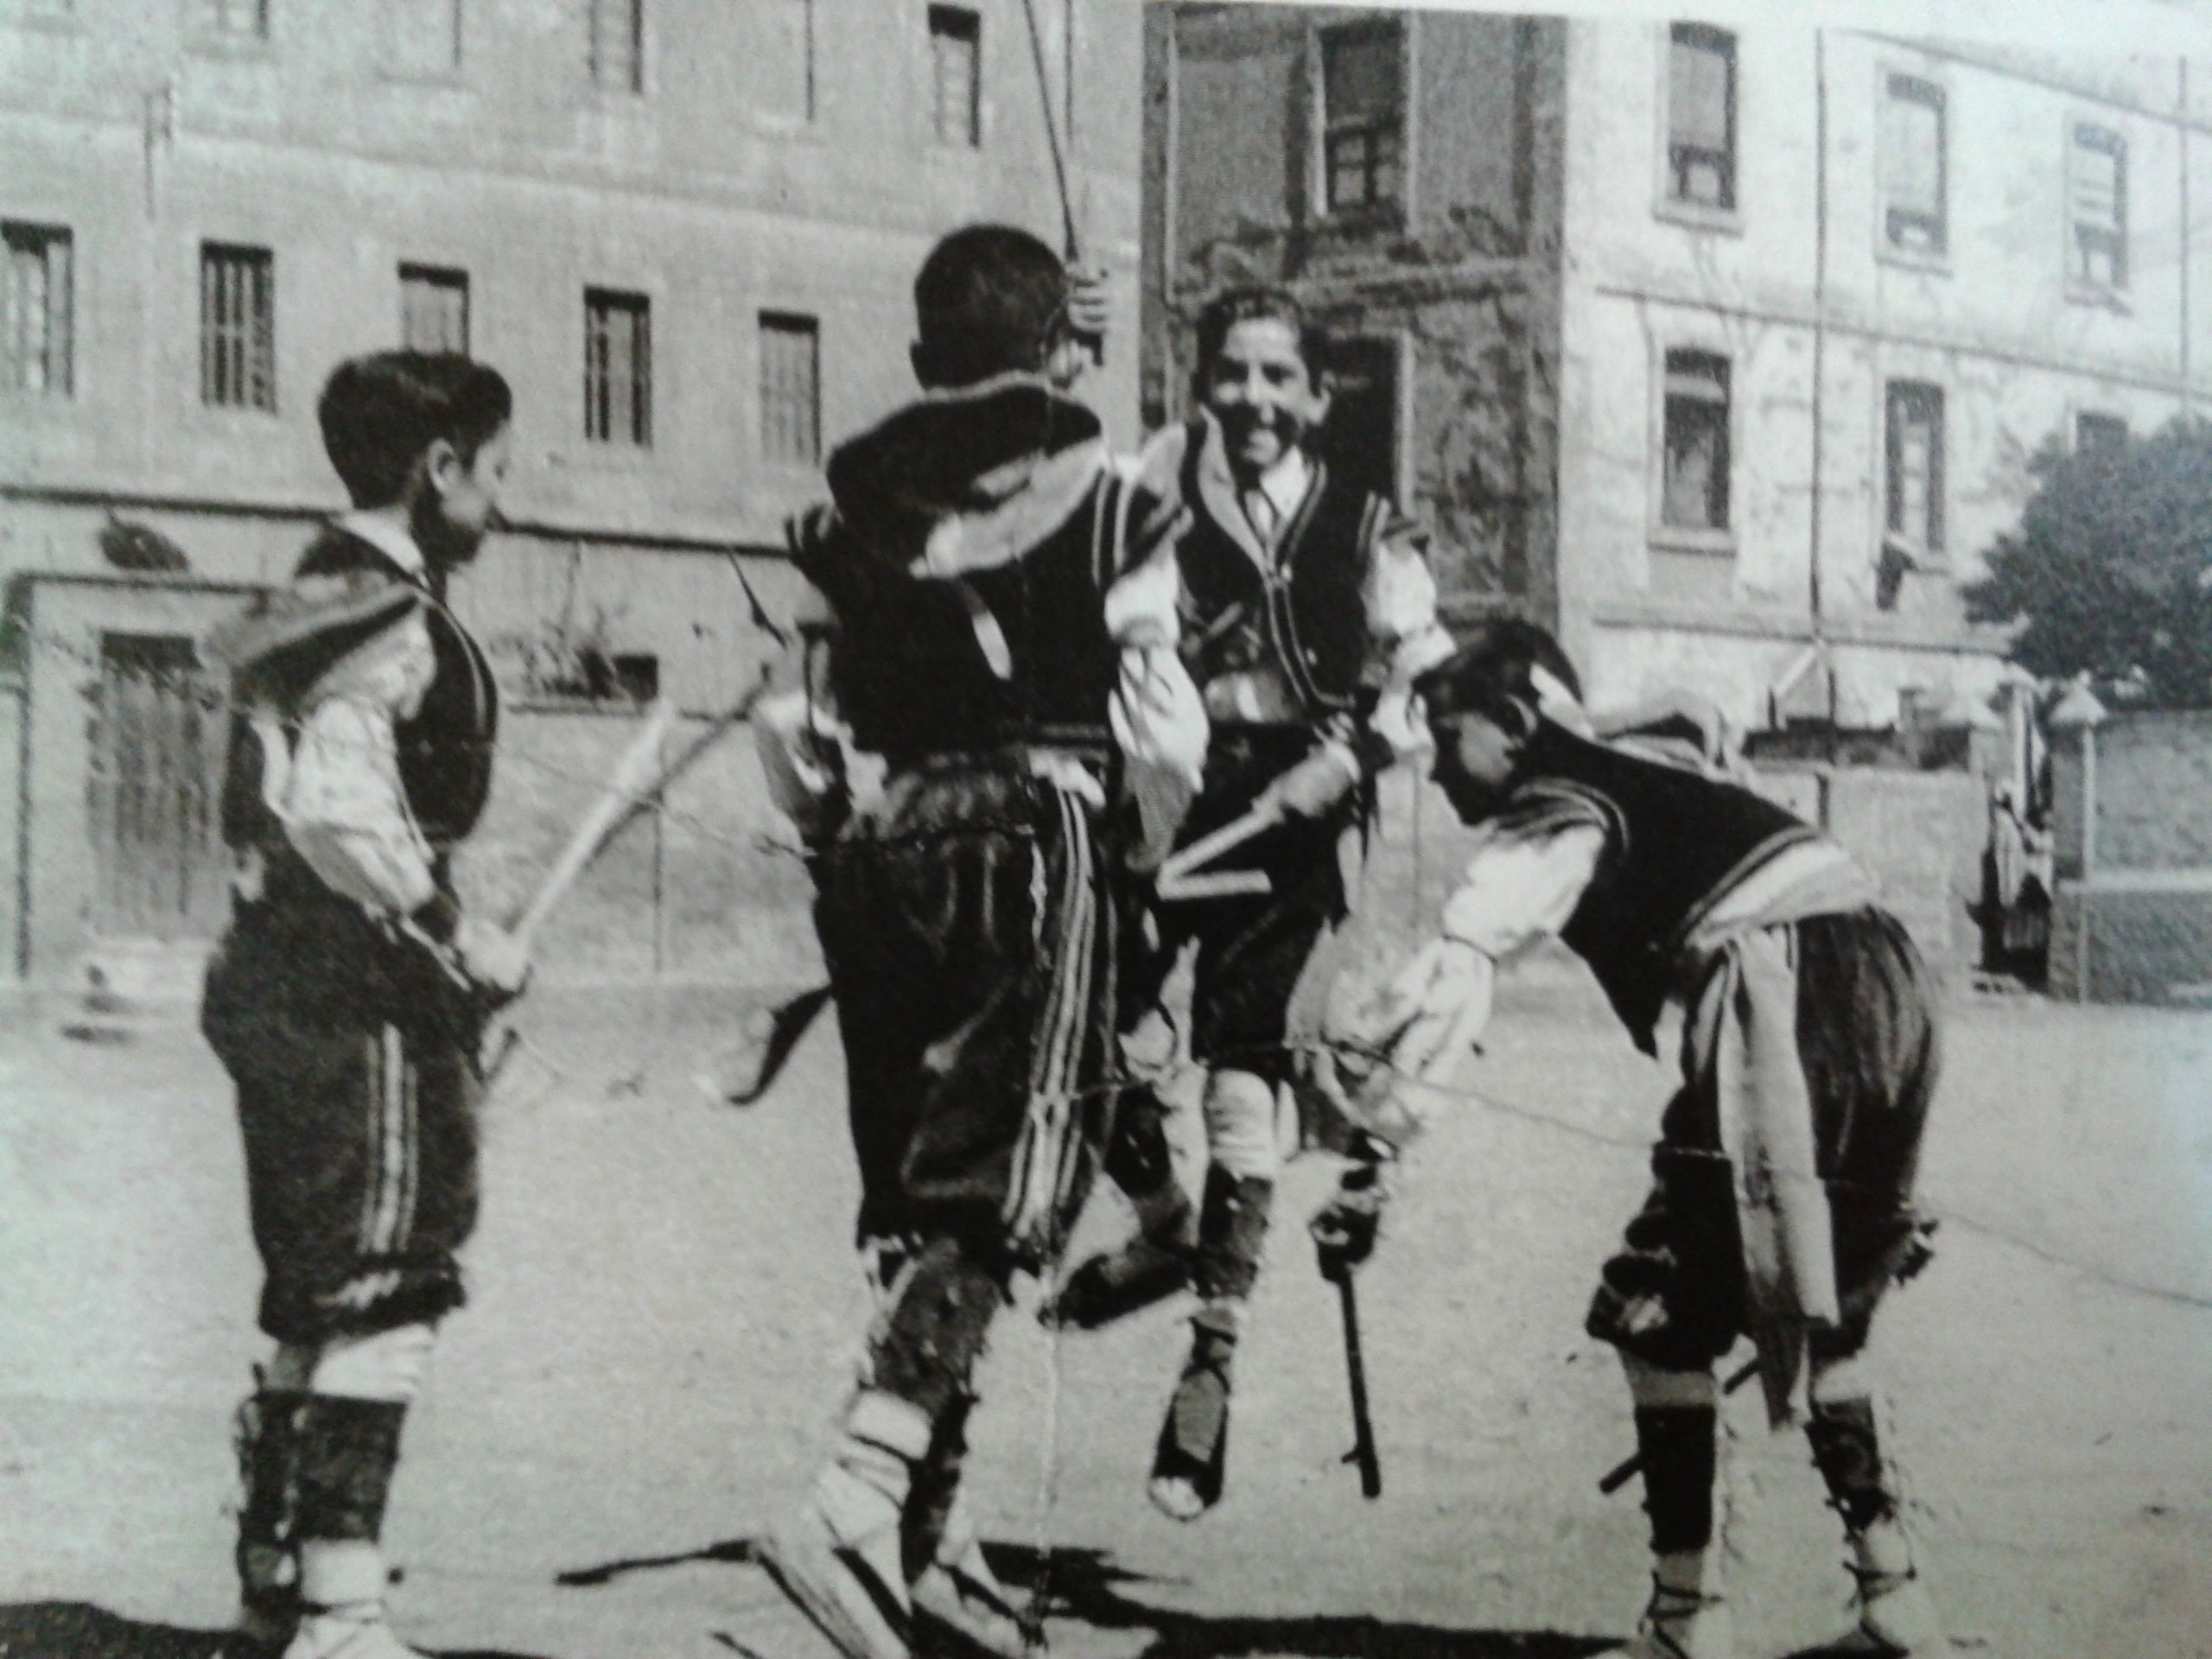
2110	570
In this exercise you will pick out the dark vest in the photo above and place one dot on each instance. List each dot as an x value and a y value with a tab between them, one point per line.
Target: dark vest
910	674
1676	841
1304	616
444	750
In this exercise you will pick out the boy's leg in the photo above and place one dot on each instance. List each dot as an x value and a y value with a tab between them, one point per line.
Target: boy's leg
358	1390
1895	1615
1248	969
1677	1439
846	1556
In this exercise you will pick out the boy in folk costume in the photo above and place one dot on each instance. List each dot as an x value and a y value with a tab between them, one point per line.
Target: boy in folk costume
1780	1207
1002	629
1307	608
347	994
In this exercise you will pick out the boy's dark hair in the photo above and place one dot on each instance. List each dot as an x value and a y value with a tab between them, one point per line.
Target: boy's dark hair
1492	673
989	300
379	413
1253	304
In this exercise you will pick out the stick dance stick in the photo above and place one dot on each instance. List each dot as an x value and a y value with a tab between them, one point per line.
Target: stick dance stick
1263	817
623	795
1362	1451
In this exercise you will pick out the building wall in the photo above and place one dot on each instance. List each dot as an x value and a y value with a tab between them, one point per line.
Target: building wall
145	141
1459	279
1817	314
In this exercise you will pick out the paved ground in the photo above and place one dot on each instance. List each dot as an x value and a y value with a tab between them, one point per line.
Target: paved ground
664	1308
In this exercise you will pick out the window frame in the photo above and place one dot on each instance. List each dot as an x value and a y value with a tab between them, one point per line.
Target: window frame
1926	546
1326	130
1888	77
638	83
1720	541
970	19
247	255
788	321
209	38
2085	418
1666	204
395	68
2080	286
431	275
16	236
810	111
642	438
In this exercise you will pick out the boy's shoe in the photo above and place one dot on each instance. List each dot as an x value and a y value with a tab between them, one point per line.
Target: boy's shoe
1118	1283
264	1630
840	1558
963	1596
1680	1625
1190	1464
361	1631
1896	1617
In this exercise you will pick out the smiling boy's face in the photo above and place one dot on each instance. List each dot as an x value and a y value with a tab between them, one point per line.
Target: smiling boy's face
1264	393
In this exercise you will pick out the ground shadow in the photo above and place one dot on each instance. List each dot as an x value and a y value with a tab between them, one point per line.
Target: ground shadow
1086	1586
77	1630
731	1552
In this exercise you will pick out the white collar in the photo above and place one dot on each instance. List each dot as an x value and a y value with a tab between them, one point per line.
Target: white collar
1284	485
380	531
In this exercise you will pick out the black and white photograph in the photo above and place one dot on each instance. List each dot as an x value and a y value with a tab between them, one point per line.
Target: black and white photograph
1116	829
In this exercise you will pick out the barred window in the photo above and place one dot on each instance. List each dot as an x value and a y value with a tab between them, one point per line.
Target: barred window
783	60
791	390
1914	185
617	368
1694	485
36	310
1701	116
422	37
237	328
433	309
617	45
2097	199
2099	435
246	20
1364	114
956	60
1915	427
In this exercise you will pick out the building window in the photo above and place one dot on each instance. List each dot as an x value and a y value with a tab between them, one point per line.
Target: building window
617	368
1914	458
618	45
955	58
1913	160
237	328
2096	189
1694	491
2099	435
234	20
783	60
1702	116
1364	114
422	37
791	390
36	310
433	309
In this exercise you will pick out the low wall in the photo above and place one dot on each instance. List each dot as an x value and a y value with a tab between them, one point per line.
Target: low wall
2132	825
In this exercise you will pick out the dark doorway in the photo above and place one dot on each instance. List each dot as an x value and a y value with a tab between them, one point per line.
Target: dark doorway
157	745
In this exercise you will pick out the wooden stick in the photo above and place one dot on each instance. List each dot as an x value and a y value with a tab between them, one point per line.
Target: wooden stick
1362	1451
1224	884
1263	817
623	794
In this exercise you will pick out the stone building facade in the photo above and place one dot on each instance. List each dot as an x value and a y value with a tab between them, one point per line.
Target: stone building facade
686	230
1723	349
